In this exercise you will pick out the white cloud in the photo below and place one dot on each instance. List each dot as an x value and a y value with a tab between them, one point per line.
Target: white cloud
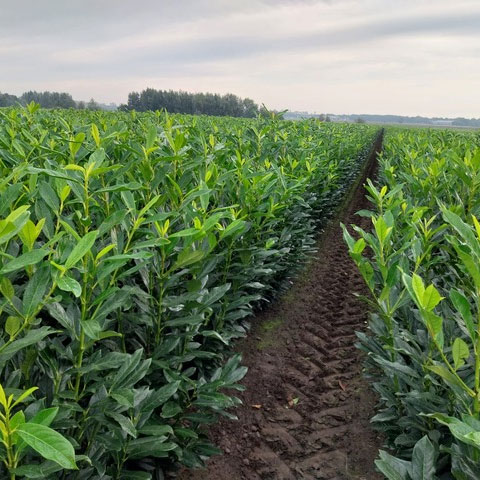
371	56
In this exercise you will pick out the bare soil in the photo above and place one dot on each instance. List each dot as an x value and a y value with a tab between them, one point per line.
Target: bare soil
306	408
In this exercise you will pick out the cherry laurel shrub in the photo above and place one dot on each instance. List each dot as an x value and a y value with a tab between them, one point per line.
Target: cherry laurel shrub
421	263
132	249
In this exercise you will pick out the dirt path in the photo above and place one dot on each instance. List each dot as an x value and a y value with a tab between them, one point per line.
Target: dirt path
306	408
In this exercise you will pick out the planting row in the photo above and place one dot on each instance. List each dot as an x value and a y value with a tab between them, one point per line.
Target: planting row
423	271
133	247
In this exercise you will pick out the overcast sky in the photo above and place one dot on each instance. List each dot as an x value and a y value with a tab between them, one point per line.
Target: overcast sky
404	57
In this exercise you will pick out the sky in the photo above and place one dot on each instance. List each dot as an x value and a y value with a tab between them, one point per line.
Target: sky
405	57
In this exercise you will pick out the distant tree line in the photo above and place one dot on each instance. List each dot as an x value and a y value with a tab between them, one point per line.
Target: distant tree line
418	120
466	122
191	103
46	100
7	100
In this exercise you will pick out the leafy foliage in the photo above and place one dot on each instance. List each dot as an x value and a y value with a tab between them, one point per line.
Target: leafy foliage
420	262
133	248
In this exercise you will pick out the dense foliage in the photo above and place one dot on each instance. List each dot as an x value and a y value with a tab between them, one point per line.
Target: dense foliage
133	247
423	271
191	103
44	99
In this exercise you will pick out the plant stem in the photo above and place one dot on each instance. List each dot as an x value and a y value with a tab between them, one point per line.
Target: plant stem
11	461
160	300
78	363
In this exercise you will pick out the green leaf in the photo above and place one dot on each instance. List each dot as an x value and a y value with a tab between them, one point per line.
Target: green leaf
35	291
381	229
29	258
170	409
124	258
188	232
32	337
45	416
449	377
431	298
359	246
393	468
435	327
423	460
149	447
108	334
460	352
69	284
52	173
17	420
17	213
38	472
124	422
470	264
29	234
111	221
65	192
151	136
104	251
460	430
465	230
185	433
418	288
232	372
463	307
48	443
124	397
12	325
160	396
75	168
7	231
24	395
157	430
49	196
81	249
3	397
6	288
191	321
188	257
120	187
92	328
216	294
95	135
236	227
76	143
132	370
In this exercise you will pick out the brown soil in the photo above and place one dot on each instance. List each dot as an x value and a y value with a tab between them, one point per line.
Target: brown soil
306	407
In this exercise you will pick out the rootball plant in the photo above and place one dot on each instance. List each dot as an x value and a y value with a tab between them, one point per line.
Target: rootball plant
422	269
133	247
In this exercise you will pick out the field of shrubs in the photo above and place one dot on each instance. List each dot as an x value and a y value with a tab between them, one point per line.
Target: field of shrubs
134	247
423	272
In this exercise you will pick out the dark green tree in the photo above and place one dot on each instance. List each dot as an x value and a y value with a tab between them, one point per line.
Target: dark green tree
191	103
